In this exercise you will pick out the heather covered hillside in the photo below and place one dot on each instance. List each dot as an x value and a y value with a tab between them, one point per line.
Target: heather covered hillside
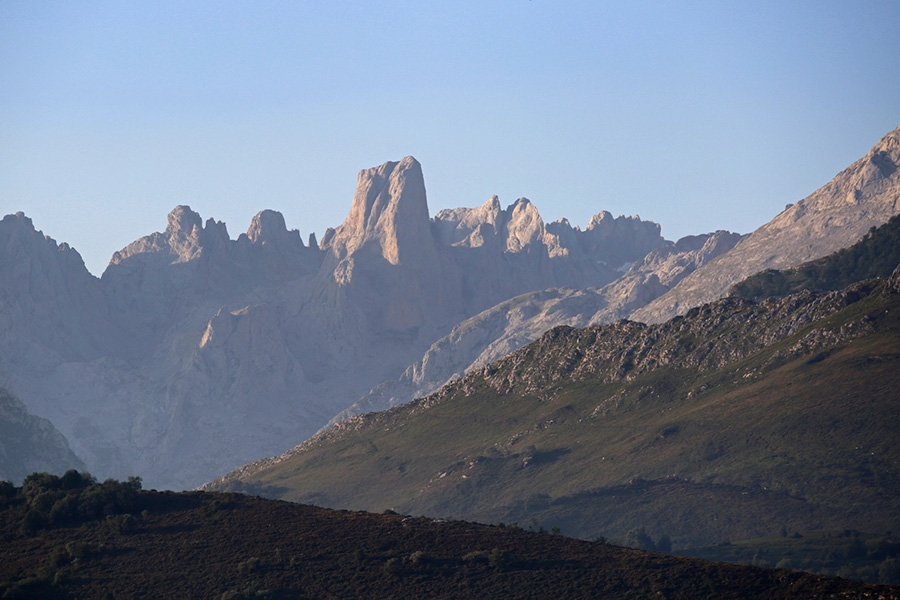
112	540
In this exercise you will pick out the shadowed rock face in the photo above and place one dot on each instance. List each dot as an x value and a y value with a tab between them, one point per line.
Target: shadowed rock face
47	297
29	443
195	353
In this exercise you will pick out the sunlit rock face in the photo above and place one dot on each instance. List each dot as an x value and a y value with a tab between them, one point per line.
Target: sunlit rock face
195	352
388	216
864	195
508	252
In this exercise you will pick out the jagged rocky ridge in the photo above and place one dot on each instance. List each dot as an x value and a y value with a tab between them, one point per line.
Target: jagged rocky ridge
195	353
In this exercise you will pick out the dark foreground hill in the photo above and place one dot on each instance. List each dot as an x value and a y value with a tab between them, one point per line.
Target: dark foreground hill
212	545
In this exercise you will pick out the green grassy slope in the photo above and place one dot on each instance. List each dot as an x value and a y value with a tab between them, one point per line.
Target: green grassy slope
202	545
733	422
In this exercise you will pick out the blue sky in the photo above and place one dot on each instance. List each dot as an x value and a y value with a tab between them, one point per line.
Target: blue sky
697	115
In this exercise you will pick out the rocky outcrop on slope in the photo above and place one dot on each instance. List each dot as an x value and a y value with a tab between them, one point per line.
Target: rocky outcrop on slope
494	333
30	444
865	194
705	339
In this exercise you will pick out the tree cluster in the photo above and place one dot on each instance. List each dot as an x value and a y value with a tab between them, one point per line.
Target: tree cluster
46	501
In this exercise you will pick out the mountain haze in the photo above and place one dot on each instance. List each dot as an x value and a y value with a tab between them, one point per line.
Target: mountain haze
195	353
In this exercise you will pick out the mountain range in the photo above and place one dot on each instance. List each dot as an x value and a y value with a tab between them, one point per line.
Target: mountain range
195	353
768	414
719	432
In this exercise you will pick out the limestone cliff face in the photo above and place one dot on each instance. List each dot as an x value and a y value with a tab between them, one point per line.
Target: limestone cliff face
383	263
865	194
388	217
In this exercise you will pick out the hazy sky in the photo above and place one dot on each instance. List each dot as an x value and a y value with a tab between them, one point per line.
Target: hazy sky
696	115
